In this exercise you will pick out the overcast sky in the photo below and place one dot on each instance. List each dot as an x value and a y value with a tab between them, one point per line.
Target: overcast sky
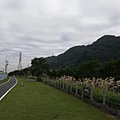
42	28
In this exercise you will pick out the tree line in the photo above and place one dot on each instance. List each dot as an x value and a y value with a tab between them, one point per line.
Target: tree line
91	69
94	68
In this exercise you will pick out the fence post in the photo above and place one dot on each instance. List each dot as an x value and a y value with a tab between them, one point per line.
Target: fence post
66	86
55	84
46	79
91	94
63	86
76	91
104	96
71	87
60	84
49	82
82	93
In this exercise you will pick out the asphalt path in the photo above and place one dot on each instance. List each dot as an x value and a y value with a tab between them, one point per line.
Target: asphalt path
7	86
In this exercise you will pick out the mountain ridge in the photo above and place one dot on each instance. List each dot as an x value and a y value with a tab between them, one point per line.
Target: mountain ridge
104	48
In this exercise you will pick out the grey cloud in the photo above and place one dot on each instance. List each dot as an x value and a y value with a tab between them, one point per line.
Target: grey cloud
14	4
39	28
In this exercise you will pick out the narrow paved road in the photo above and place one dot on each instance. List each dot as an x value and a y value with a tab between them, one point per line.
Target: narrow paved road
7	86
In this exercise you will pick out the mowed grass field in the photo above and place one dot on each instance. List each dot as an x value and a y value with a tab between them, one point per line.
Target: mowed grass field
38	101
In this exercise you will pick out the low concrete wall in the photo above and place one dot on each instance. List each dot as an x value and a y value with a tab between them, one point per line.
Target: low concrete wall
3	76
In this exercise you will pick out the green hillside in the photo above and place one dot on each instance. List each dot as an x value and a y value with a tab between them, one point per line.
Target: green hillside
103	49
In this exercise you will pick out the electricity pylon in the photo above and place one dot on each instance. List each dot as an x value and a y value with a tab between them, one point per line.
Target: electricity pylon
20	64
6	61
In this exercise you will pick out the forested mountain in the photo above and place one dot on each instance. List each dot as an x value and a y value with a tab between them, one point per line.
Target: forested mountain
105	48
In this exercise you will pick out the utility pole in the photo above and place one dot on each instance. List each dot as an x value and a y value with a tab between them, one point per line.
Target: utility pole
20	64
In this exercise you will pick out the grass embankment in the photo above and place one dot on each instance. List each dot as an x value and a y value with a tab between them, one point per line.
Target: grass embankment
37	101
3	81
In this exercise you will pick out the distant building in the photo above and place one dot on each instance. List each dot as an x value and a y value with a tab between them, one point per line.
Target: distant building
1	71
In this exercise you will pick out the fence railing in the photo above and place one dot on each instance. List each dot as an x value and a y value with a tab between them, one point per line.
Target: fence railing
103	99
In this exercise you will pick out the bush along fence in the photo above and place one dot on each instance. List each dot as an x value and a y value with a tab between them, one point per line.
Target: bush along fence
101	98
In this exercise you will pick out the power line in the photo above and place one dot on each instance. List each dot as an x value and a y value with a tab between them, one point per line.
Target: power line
6	45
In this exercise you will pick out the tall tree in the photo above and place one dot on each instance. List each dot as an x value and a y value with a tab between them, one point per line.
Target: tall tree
39	66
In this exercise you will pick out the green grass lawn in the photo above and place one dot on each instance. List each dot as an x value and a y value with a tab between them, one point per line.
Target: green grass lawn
38	101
